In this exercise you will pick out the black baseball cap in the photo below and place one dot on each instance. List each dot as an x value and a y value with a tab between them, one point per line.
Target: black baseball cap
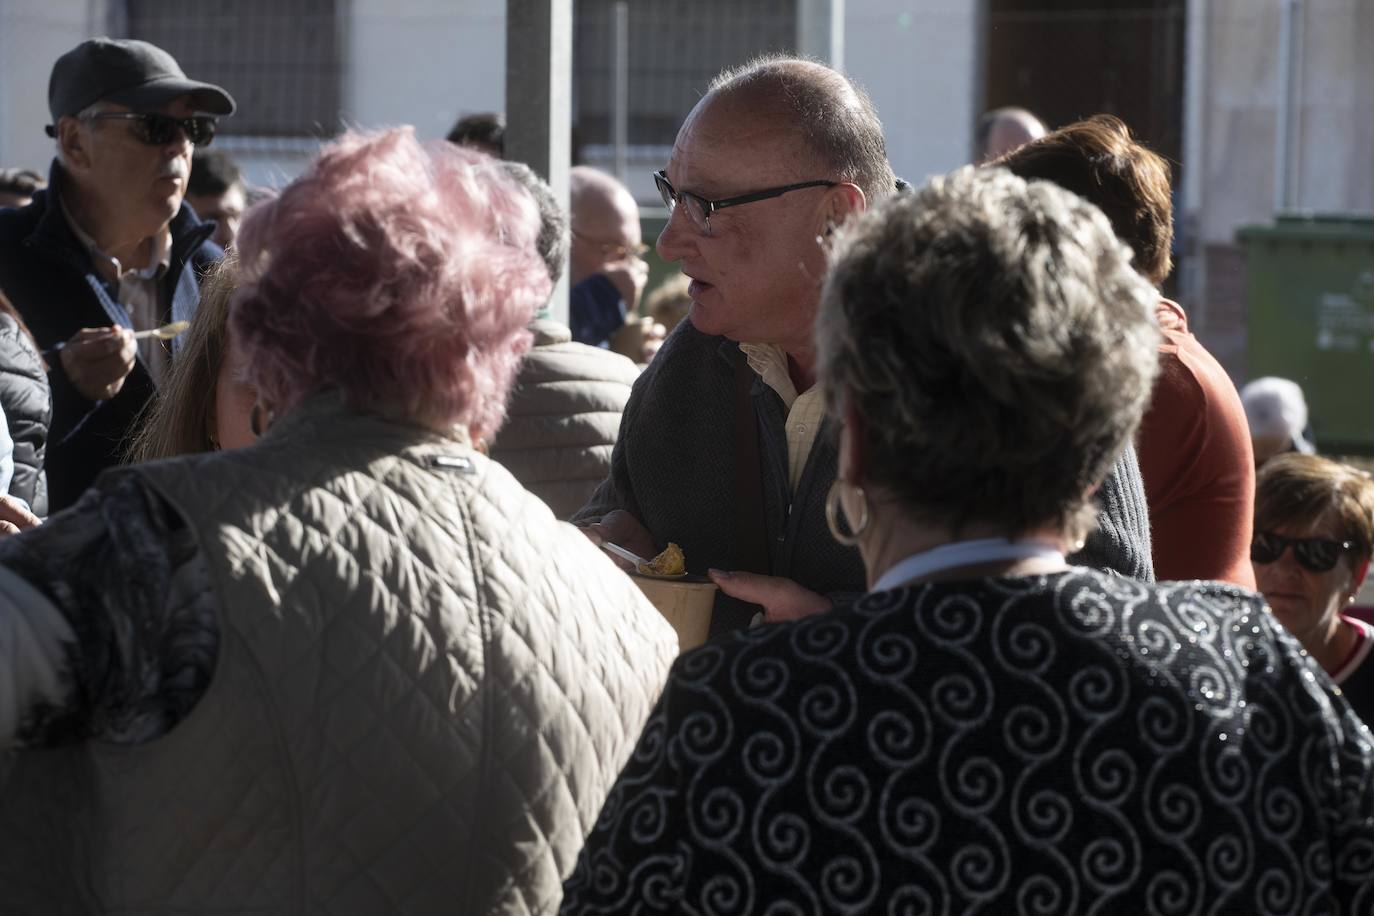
127	72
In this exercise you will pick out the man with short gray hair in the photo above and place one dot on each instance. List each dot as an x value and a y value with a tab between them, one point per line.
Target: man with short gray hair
109	249
724	448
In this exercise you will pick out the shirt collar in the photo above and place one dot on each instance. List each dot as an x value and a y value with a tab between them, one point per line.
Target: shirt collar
770	362
162	250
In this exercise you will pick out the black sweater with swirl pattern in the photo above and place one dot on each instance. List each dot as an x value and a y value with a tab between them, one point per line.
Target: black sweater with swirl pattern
1070	743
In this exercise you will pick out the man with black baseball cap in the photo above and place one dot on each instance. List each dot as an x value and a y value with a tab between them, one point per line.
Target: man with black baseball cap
110	249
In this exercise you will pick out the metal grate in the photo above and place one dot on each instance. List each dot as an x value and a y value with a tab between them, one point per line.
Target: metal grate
279	59
676	48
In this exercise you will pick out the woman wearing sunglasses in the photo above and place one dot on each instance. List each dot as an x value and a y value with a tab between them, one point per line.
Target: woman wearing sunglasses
1314	533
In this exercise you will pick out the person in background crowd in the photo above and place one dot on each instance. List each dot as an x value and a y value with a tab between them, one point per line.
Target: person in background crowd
1314	534
109	248
654	334
989	729
1002	130
669	302
353	667
1194	447
565	407
484	131
27	404
725	449
207	402
606	257
1276	412
17	187
216	192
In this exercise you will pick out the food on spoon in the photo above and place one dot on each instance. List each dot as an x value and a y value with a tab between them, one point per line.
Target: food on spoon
669	563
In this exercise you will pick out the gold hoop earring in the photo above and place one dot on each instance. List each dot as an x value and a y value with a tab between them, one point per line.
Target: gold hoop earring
255	419
833	511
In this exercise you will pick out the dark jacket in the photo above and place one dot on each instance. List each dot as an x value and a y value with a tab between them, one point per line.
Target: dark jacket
27	403
47	274
673	468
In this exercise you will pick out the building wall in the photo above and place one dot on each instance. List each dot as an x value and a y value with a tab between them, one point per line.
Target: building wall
420	62
919	61
33	34
424	62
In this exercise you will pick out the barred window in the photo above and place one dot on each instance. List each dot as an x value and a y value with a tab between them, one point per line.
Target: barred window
676	47
279	59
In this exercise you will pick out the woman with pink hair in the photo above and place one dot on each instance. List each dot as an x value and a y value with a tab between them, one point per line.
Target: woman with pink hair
352	667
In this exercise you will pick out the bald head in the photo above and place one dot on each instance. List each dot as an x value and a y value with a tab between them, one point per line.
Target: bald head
833	120
604	217
595	197
1004	129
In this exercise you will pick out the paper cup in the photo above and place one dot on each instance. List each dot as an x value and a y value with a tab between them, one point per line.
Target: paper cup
685	603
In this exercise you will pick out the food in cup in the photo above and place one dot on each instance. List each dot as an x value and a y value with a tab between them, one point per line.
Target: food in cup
670	562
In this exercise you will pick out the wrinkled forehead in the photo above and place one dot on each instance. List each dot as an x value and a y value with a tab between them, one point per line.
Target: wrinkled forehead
737	142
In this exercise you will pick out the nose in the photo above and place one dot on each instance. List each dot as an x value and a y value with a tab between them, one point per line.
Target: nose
678	238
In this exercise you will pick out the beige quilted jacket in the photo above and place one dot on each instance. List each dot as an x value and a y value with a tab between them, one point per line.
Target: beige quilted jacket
563	417
425	688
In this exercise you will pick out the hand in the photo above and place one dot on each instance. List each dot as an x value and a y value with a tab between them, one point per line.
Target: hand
15	517
97	360
782	599
629	278
623	529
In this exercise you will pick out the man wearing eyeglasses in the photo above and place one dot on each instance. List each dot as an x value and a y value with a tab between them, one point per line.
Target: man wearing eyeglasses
109	249
606	258
724	447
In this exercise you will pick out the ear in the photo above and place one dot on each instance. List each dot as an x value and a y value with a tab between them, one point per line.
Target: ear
840	203
72	142
1360	571
853	458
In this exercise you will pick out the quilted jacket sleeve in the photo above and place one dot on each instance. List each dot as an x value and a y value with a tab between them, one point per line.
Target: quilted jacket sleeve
27	404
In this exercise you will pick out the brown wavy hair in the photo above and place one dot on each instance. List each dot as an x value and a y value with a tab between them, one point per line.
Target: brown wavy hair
1100	161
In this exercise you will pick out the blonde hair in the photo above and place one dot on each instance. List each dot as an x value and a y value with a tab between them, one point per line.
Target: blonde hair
179	420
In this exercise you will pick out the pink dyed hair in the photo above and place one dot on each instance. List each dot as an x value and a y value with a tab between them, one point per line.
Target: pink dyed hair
401	273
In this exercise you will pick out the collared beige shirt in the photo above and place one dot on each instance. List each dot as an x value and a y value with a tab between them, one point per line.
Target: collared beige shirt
138	291
805	411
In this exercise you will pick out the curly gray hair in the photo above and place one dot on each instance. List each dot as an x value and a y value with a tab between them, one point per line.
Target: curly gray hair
997	343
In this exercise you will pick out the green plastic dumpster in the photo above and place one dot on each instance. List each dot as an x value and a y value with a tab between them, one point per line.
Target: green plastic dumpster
1311	319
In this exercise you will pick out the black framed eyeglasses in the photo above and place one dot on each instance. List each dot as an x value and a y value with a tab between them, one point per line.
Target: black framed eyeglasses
699	209
1316	555
160	129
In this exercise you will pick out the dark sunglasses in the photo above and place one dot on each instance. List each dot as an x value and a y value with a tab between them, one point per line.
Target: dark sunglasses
1316	555
699	209
161	129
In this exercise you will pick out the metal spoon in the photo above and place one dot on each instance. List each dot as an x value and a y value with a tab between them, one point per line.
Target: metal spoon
166	332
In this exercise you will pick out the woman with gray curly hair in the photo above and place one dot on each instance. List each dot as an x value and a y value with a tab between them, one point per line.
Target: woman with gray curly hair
990	728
